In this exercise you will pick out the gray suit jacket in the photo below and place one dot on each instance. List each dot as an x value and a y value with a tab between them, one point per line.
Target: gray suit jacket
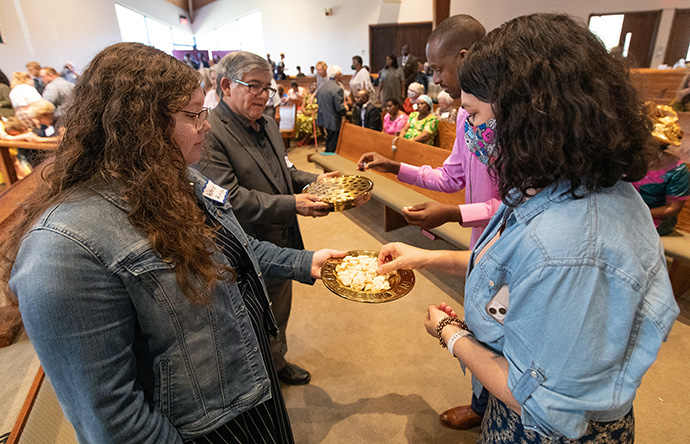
331	110
410	68
263	204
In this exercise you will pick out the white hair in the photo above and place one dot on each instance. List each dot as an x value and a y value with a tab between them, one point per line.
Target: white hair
333	71
444	97
236	64
416	87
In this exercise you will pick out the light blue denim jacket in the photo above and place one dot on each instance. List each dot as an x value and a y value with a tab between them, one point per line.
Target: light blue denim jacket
590	303
132	360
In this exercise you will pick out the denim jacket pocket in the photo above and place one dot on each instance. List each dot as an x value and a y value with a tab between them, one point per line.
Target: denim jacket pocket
146	262
158	278
163	393
484	283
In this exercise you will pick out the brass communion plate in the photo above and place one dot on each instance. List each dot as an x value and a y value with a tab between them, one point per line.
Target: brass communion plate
342	192
401	282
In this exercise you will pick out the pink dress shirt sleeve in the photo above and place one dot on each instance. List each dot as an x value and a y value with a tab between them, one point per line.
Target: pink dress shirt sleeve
448	178
460	170
478	214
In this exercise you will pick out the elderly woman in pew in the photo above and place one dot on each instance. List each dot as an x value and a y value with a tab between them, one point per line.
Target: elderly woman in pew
422	125
446	111
567	298
666	187
140	291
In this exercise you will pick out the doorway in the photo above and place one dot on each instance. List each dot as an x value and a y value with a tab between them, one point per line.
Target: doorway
635	32
389	39
679	40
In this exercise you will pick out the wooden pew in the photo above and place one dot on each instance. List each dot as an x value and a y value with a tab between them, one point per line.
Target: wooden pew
6	160
446	136
11	202
657	85
355	141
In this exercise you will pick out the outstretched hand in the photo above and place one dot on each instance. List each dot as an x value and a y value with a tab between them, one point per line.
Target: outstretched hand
396	256
375	161
320	257
326	175
431	214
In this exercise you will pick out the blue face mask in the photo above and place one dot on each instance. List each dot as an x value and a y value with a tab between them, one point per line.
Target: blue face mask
481	140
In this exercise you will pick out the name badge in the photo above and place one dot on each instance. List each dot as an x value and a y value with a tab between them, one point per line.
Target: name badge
215	192
288	163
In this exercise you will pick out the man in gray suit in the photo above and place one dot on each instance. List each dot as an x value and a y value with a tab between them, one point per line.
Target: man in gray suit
330	97
246	156
408	63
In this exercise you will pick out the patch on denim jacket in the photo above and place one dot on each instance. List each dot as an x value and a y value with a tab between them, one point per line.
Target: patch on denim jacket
215	192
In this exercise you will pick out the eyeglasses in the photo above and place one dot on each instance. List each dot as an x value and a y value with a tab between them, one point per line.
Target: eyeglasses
256	89
199	118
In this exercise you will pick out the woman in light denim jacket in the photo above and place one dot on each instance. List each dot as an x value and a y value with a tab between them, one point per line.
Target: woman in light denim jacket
135	313
567	297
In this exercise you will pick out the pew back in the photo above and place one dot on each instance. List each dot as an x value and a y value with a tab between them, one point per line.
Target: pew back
355	141
657	85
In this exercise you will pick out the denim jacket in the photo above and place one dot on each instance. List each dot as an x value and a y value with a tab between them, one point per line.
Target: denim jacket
589	303
131	359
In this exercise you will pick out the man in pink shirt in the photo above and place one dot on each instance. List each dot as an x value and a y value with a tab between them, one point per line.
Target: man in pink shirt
446	47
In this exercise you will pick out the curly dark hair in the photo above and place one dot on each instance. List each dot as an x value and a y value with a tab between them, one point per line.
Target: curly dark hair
394	100
565	108
119	136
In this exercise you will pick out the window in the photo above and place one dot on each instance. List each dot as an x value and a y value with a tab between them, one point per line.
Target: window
159	35
132	25
607	28
245	33
136	27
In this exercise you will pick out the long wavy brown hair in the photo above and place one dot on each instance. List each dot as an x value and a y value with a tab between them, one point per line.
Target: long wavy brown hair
119	136
565	107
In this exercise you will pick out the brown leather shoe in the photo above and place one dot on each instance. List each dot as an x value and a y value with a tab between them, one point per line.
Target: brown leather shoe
460	418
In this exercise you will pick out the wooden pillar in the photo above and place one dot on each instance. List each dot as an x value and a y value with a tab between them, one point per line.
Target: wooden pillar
441	11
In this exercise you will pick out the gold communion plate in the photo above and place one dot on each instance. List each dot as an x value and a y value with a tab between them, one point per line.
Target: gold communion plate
342	192
401	282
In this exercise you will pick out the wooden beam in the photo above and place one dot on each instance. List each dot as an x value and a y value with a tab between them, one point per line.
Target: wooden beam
441	11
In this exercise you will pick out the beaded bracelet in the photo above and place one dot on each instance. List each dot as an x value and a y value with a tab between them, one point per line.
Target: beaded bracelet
446	321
